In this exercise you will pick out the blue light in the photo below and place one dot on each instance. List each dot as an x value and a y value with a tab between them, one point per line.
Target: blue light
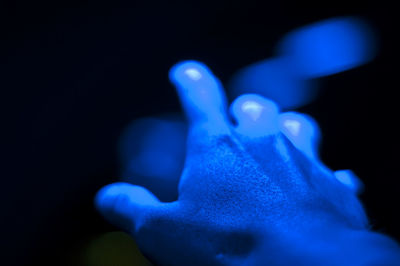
255	115
246	195
350	180
152	152
324	48
302	131
274	79
328	47
199	90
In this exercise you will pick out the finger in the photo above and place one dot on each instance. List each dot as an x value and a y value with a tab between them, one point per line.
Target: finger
126	205
302	131
152	153
200	93
274	79
350	180
256	116
329	46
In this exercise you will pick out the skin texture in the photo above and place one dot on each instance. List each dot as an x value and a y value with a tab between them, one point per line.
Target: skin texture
249	193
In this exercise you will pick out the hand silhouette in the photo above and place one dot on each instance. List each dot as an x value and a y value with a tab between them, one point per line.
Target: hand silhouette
250	191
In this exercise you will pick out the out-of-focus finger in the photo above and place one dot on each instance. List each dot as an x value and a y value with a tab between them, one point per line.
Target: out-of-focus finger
126	205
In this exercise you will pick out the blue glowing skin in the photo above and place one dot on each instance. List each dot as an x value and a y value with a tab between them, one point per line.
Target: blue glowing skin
302	131
275	79
152	153
317	50
350	180
254	115
244	199
152	150
198	90
329	46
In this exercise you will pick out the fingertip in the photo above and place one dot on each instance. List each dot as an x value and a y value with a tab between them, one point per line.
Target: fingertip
350	180
192	76
135	194
253	106
255	114
112	200
188	70
123	204
302	131
200	92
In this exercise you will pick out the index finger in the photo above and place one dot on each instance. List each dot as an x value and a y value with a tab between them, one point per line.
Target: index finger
200	92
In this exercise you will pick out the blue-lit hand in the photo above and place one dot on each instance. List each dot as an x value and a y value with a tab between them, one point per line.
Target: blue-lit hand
246	195
152	151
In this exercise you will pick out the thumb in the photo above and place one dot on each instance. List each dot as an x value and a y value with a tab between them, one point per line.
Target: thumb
126	205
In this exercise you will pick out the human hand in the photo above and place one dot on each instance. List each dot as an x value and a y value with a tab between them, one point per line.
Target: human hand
241	185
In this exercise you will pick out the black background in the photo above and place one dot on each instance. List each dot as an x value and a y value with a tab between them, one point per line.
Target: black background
74	73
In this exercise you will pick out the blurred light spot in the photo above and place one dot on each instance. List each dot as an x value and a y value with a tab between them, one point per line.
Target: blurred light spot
152	153
256	116
293	126
253	109
317	50
329	46
275	80
193	73
151	146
